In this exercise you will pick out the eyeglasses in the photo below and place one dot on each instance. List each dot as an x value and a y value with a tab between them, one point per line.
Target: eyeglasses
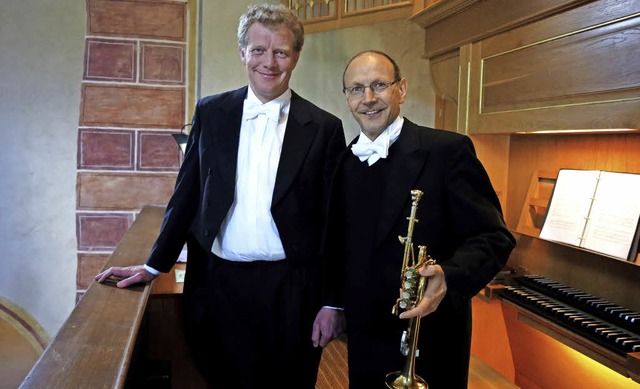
376	87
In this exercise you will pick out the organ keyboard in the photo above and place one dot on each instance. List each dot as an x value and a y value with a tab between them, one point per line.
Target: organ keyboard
608	325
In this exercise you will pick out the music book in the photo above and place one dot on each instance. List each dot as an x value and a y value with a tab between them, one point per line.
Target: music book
595	210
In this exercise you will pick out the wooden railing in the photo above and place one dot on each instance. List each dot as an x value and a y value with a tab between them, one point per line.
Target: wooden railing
95	346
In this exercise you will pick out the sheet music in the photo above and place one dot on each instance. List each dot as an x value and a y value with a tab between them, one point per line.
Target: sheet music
614	215
570	203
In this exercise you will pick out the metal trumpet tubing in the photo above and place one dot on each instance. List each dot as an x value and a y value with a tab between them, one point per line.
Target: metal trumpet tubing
412	286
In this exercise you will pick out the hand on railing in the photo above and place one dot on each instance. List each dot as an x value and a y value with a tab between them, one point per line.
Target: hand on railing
125	276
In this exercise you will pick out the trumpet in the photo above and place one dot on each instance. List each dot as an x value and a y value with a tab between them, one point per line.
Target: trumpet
412	290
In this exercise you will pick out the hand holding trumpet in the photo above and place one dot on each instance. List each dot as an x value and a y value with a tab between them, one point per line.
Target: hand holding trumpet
433	294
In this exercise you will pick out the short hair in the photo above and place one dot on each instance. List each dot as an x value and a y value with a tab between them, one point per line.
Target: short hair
396	69
271	16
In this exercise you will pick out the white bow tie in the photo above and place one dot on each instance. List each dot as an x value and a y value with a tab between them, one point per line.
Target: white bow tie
371	152
253	109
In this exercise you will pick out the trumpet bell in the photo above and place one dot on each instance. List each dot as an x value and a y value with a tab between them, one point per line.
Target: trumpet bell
397	380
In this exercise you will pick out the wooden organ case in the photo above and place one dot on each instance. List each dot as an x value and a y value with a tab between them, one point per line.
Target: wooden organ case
506	73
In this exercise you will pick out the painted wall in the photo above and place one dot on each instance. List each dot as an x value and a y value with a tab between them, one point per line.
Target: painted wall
41	66
41	61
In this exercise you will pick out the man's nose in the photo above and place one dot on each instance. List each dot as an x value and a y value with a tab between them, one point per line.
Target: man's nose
368	95
270	60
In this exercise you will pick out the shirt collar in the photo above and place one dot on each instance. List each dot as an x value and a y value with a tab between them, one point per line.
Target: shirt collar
388	136
282	101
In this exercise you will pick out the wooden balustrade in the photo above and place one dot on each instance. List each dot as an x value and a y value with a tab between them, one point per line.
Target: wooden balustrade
95	346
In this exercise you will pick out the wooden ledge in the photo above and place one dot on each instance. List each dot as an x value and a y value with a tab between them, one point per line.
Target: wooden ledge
93	348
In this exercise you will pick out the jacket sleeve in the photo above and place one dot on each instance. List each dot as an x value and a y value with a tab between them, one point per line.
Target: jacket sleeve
483	241
182	206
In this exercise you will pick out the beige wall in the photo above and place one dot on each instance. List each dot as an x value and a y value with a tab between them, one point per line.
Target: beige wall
325	55
41	54
41	67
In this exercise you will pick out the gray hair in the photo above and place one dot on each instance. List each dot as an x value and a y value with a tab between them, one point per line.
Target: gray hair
271	16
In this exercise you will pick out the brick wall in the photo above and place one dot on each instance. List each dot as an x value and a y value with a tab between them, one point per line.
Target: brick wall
134	97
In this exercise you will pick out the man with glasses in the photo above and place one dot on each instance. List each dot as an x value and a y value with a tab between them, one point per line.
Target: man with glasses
460	223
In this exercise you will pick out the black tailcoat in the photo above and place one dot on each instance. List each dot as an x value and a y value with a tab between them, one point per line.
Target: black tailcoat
204	193
459	221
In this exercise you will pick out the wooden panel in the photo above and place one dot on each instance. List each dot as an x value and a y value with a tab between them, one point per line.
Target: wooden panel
132	106
489	340
313	12
453	23
444	76
493	152
542	358
334	21
549	75
528	77
536	202
163	339
531	153
166	283
504	84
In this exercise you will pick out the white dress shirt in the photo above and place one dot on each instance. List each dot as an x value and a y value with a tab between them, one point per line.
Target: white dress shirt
249	232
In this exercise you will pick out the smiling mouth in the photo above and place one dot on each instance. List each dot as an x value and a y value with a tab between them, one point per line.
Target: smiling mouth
268	74
372	112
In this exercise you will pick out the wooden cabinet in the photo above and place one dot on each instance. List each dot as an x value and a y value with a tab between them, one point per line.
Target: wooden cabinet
535	66
575	70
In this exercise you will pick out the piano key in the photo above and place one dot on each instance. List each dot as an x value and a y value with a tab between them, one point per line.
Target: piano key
612	334
595	318
621	339
631	345
604	330
623	313
600	303
611	310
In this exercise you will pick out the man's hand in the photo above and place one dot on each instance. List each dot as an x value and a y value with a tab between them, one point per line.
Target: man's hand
433	295
128	275
329	324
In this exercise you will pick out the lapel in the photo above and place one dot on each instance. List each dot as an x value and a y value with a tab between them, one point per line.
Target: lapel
405	168
226	136
299	135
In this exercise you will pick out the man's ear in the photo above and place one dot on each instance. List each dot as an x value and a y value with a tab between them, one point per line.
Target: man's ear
402	88
243	56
